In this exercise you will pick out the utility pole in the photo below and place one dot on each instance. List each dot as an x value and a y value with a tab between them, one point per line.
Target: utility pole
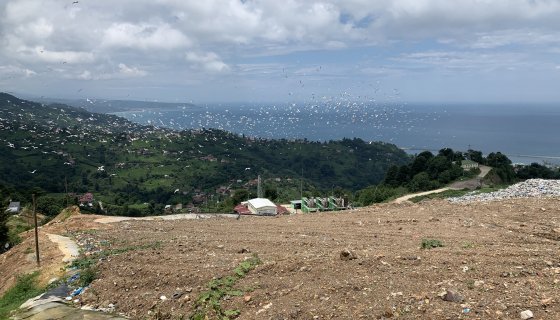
66	190
259	187
301	185
36	232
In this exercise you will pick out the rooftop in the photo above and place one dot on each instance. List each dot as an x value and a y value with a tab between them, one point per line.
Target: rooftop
261	202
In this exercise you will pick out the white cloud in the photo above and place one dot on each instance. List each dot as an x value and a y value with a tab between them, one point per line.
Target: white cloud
502	38
130	71
11	71
86	75
144	36
105	72
106	39
38	29
464	61
41	54
208	61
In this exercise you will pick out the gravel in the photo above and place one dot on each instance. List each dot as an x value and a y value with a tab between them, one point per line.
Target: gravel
532	188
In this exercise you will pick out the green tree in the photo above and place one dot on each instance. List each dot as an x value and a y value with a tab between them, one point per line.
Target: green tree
271	193
497	160
239	196
421	182
447	153
4	237
420	162
392	176
475	156
535	170
49	206
437	165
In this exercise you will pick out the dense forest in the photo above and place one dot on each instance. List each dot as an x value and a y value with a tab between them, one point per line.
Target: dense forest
427	171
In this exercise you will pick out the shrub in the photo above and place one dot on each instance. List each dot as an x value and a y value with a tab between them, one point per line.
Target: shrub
431	243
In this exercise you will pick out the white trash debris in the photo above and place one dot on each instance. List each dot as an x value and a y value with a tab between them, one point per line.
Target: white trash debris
532	188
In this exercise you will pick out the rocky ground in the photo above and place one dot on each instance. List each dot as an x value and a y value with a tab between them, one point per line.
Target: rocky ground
498	260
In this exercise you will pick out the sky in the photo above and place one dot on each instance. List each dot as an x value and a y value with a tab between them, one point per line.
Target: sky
435	51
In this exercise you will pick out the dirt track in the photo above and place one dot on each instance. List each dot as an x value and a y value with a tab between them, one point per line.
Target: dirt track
501	257
414	195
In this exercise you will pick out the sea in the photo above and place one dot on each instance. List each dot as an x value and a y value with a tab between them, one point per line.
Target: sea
525	133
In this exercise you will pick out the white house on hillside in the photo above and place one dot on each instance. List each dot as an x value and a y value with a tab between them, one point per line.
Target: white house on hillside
14	207
468	164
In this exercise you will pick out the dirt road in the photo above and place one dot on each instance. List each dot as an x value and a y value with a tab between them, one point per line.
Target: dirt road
418	194
470	184
67	246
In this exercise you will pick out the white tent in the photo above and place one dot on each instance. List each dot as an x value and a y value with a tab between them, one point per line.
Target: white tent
262	206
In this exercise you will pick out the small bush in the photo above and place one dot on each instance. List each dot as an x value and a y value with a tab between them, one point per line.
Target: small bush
431	243
87	276
208	303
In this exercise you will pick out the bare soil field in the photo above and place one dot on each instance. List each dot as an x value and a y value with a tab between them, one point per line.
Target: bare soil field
498	259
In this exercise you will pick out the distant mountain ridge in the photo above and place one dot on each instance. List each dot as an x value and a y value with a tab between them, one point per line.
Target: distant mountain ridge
112	106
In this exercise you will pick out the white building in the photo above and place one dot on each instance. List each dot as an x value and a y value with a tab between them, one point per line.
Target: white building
14	207
262	206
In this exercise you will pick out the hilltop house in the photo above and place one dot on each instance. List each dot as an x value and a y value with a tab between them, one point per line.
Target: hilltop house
14	207
86	199
468	164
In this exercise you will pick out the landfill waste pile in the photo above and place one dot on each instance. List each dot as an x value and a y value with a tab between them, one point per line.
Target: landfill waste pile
532	188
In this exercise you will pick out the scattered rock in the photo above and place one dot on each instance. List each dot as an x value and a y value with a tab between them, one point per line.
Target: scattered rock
247	298
177	295
243	250
478	283
346	255
412	258
264	308
388	313
452	296
527	314
163	298
547	302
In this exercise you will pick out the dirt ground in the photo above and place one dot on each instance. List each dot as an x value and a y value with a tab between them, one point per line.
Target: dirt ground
498	259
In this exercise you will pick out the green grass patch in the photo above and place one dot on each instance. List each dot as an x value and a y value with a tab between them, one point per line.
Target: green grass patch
467	245
431	243
25	288
87	264
208	304
16	225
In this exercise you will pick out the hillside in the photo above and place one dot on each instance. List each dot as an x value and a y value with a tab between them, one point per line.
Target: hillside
125	164
497	259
